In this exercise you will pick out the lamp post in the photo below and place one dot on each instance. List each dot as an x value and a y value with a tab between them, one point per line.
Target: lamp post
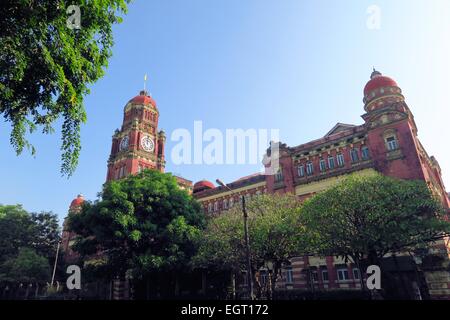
247	242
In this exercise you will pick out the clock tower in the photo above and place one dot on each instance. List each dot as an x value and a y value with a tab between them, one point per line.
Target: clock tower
138	145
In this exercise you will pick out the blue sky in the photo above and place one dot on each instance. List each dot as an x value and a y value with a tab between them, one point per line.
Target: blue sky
297	66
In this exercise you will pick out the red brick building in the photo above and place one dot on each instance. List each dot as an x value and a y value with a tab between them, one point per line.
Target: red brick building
386	142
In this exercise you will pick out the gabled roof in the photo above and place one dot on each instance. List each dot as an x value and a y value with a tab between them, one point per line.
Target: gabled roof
339	127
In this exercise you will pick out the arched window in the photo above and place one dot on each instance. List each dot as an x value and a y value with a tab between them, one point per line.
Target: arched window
322	165
279	175
225	204
392	143
340	159
390	138
309	168
354	155
231	202
210	207
331	163
365	153
216	206
301	171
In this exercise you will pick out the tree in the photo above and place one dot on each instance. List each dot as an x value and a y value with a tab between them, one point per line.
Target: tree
366	218
46	66
275	234
144	223
47	233
26	267
18	229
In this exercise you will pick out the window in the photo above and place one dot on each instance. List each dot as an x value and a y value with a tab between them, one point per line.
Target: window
355	273
216	206
365	153
331	163
301	171
322	165
279	176
263	278
315	276
210	207
231	202
289	275
225	204
309	168
122	172
354	155
392	143
324	275
342	274
340	159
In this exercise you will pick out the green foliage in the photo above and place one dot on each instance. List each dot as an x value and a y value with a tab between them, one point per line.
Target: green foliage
144	223
365	218
18	229
275	234
46	67
27	267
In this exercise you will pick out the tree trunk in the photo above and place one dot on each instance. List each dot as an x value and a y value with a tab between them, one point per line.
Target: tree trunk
361	273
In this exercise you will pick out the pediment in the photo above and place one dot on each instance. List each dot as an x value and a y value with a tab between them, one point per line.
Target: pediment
339	127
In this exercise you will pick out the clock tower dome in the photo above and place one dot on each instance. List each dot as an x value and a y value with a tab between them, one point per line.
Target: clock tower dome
138	145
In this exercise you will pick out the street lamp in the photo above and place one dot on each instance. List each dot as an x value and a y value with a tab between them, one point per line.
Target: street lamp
247	241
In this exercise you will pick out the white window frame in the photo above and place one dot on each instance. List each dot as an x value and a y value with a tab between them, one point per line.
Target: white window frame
331	163
328	275
309	168
289	275
354	155
322	165
340	159
279	176
342	271
392	145
301	170
365	153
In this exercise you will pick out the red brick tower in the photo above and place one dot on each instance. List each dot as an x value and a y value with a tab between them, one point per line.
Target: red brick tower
392	136
138	145
391	129
68	237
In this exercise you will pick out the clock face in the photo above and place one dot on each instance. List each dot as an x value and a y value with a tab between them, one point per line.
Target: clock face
147	144
124	143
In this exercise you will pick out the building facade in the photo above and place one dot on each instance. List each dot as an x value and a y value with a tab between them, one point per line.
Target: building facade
386	142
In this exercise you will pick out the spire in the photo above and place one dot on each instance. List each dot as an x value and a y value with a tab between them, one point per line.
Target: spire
375	73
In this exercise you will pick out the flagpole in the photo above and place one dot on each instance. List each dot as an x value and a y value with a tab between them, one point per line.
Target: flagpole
56	261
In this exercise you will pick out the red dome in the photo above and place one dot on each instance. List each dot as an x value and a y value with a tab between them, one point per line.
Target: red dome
377	81
143	98
204	184
77	202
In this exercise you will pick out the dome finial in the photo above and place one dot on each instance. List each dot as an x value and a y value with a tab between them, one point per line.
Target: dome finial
375	73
